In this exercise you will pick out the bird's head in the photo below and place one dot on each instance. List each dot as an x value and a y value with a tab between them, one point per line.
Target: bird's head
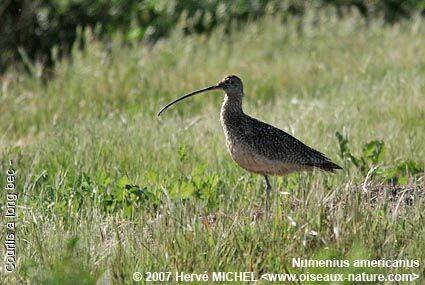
231	84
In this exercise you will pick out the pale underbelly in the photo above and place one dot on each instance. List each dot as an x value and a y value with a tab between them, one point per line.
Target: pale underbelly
260	164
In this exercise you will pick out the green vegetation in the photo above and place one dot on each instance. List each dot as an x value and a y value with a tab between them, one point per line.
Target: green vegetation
107	188
30	29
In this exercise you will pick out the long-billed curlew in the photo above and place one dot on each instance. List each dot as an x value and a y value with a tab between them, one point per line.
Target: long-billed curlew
257	146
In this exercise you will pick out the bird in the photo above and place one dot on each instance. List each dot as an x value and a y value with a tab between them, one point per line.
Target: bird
257	146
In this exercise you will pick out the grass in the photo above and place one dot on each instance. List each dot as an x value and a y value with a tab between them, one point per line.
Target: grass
106	188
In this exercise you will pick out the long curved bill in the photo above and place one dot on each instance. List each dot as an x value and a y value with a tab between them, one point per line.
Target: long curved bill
215	87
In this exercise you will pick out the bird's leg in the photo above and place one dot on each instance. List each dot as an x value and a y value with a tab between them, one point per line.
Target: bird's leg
268	188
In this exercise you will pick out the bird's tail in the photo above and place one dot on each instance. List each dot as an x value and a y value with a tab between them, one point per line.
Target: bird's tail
327	166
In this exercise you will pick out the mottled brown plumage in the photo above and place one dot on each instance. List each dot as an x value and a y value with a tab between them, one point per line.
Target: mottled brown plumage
257	146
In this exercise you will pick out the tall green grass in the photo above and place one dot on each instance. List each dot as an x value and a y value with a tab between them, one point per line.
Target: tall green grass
106	188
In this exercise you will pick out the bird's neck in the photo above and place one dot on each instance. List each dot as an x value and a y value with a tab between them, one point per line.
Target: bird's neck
231	108
232	104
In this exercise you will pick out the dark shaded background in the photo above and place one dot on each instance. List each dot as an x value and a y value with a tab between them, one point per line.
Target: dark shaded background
29	29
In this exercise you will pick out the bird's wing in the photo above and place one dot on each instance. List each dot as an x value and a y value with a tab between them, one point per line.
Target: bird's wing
275	144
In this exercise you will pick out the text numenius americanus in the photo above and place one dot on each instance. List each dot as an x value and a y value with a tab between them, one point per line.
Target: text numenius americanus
256	146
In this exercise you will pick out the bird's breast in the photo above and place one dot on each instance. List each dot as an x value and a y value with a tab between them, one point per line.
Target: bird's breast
250	159
243	155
